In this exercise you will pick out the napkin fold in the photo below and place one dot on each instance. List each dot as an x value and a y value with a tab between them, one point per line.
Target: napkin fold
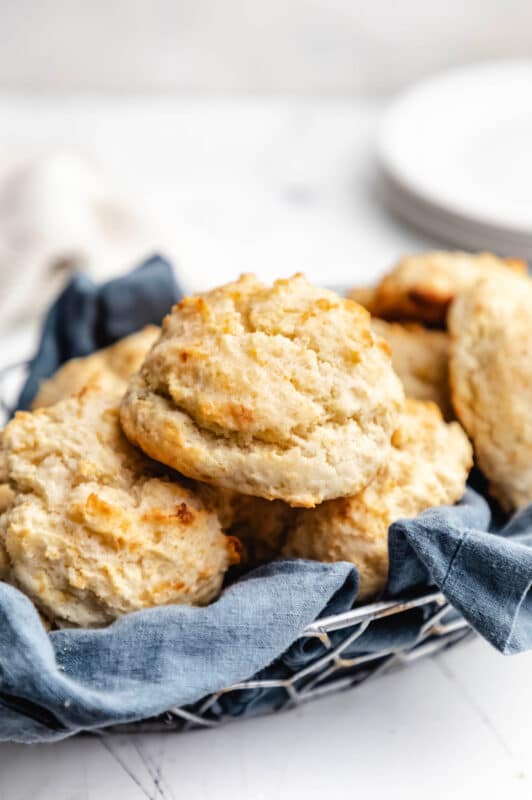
87	316
55	685
486	576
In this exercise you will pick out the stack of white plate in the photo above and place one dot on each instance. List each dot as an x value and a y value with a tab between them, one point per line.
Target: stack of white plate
456	157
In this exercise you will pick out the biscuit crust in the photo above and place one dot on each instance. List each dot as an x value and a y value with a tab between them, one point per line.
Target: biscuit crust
364	296
6	497
109	369
428	466
491	382
420	356
281	392
422	286
96	530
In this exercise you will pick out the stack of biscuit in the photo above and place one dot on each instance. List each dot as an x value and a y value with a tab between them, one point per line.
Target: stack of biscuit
473	312
265	421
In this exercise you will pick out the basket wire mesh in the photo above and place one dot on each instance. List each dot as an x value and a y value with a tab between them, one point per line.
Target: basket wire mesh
331	667
332	670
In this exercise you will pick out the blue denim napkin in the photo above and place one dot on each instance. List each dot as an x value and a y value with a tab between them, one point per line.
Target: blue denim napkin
86	317
54	685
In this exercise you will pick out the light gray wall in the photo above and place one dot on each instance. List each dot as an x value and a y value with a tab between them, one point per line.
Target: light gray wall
325	46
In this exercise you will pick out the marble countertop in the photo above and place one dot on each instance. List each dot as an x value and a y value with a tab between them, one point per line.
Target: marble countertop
274	186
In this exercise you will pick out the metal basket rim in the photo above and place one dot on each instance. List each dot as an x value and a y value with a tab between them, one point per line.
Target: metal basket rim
371	611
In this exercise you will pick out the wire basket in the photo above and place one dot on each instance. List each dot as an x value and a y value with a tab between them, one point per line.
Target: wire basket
330	667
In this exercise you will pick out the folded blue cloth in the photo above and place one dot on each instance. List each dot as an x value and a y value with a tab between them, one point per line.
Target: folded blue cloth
86	317
54	685
487	577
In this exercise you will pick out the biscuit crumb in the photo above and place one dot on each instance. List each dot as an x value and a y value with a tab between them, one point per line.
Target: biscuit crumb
95	529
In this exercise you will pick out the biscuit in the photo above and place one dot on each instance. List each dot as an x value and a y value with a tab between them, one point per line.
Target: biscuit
4	562
420	356
428	466
96	530
364	296
261	525
6	497
109	369
3	460
491	382
422	286
280	392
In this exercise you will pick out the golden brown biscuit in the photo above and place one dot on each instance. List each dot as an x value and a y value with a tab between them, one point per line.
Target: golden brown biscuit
109	369
422	286
6	497
428	466
3	460
261	525
4	563
280	392
96	530
420	357
491	382
364	296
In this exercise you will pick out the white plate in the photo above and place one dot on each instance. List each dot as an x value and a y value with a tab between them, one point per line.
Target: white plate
463	143
448	229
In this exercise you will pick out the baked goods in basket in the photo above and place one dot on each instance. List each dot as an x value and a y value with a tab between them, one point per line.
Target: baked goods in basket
364	296
282	392
6	493
283	408
96	530
420	357
6	496
428	466
491	382
421	287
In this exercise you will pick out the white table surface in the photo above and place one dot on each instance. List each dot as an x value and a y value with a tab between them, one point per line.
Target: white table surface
275	186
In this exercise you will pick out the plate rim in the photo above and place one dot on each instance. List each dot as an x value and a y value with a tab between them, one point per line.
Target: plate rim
398	171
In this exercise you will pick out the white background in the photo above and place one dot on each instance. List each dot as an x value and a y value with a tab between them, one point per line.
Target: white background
288	46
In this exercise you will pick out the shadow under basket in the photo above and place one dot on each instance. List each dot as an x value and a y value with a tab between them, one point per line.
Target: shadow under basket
326	644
